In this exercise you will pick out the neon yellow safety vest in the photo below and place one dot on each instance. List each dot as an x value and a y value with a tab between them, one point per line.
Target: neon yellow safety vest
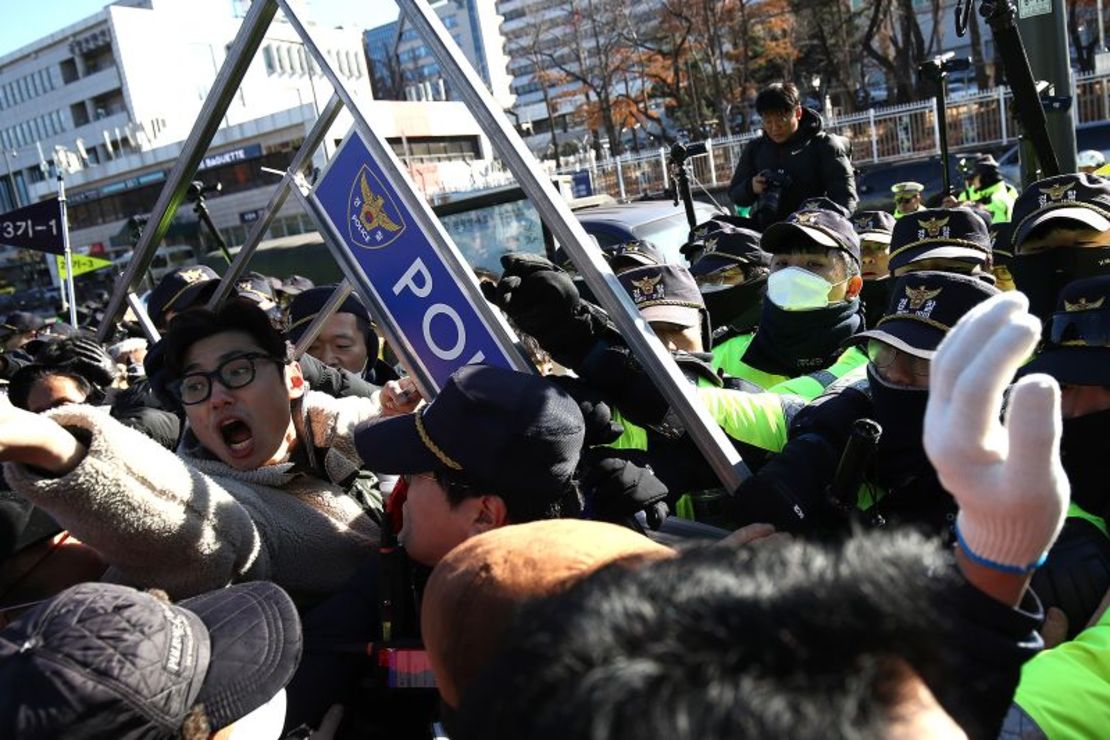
729	357
999	199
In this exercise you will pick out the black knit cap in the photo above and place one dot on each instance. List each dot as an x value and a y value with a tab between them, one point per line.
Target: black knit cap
1077	350
1076	201
820	226
103	660
923	307
939	233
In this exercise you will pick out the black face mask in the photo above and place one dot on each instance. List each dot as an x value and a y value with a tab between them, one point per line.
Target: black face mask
901	413
1043	275
876	297
794	343
737	306
1085	452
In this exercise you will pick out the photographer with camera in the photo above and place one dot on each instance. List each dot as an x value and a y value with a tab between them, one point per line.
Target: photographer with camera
792	161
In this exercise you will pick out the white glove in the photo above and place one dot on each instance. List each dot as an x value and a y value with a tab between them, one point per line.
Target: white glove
1007	479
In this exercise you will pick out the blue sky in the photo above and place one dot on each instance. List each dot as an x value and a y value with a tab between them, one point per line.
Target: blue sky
27	20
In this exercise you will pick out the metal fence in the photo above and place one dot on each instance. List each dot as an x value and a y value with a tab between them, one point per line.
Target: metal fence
981	120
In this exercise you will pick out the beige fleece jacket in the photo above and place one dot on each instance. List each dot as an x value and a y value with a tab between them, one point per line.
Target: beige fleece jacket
187	524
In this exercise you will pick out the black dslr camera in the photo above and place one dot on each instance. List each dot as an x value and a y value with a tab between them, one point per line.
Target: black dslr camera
771	199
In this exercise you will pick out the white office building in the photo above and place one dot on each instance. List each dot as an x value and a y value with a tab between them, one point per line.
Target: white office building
109	101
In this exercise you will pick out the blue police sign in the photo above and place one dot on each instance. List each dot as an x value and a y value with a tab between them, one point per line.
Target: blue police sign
417	289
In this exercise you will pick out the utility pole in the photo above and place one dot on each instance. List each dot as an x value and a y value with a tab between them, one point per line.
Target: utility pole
1043	27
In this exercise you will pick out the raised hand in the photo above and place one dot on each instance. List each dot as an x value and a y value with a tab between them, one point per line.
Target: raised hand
1006	476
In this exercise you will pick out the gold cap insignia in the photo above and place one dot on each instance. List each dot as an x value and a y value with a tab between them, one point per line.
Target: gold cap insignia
1083	305
918	296
647	285
711	245
808	218
1056	192
933	226
863	223
193	276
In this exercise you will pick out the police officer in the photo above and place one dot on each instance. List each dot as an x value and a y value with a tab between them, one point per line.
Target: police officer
542	301
1077	353
812	307
1002	254
986	186
874	229
731	273
1089	160
1061	233
1060	689
792	491
908	198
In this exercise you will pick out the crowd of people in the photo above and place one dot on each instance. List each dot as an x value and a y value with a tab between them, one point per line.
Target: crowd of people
211	536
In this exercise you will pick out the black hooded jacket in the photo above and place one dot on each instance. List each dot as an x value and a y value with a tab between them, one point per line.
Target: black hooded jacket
817	162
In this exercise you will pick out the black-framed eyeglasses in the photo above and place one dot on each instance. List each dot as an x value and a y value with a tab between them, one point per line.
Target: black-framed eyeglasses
883	356
235	372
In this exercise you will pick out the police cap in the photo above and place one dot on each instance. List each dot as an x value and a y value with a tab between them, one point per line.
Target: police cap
817	226
939	233
874	226
1076	201
1077	350
730	247
923	307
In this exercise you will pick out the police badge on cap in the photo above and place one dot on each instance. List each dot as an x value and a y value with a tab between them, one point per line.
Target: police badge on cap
939	233
1078	201
923	307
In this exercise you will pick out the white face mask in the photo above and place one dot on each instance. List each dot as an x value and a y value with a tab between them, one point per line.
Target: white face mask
795	289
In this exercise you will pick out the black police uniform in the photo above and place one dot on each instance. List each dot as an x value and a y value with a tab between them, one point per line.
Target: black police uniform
1077	353
898	484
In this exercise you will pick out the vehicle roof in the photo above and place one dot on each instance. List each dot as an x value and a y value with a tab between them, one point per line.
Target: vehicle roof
632	214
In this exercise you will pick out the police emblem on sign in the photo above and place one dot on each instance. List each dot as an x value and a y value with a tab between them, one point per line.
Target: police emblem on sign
373	218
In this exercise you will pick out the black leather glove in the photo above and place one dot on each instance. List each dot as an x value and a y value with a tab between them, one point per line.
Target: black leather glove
600	427
616	488
80	355
541	299
93	362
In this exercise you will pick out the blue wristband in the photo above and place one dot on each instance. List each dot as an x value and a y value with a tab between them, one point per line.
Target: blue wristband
1001	567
